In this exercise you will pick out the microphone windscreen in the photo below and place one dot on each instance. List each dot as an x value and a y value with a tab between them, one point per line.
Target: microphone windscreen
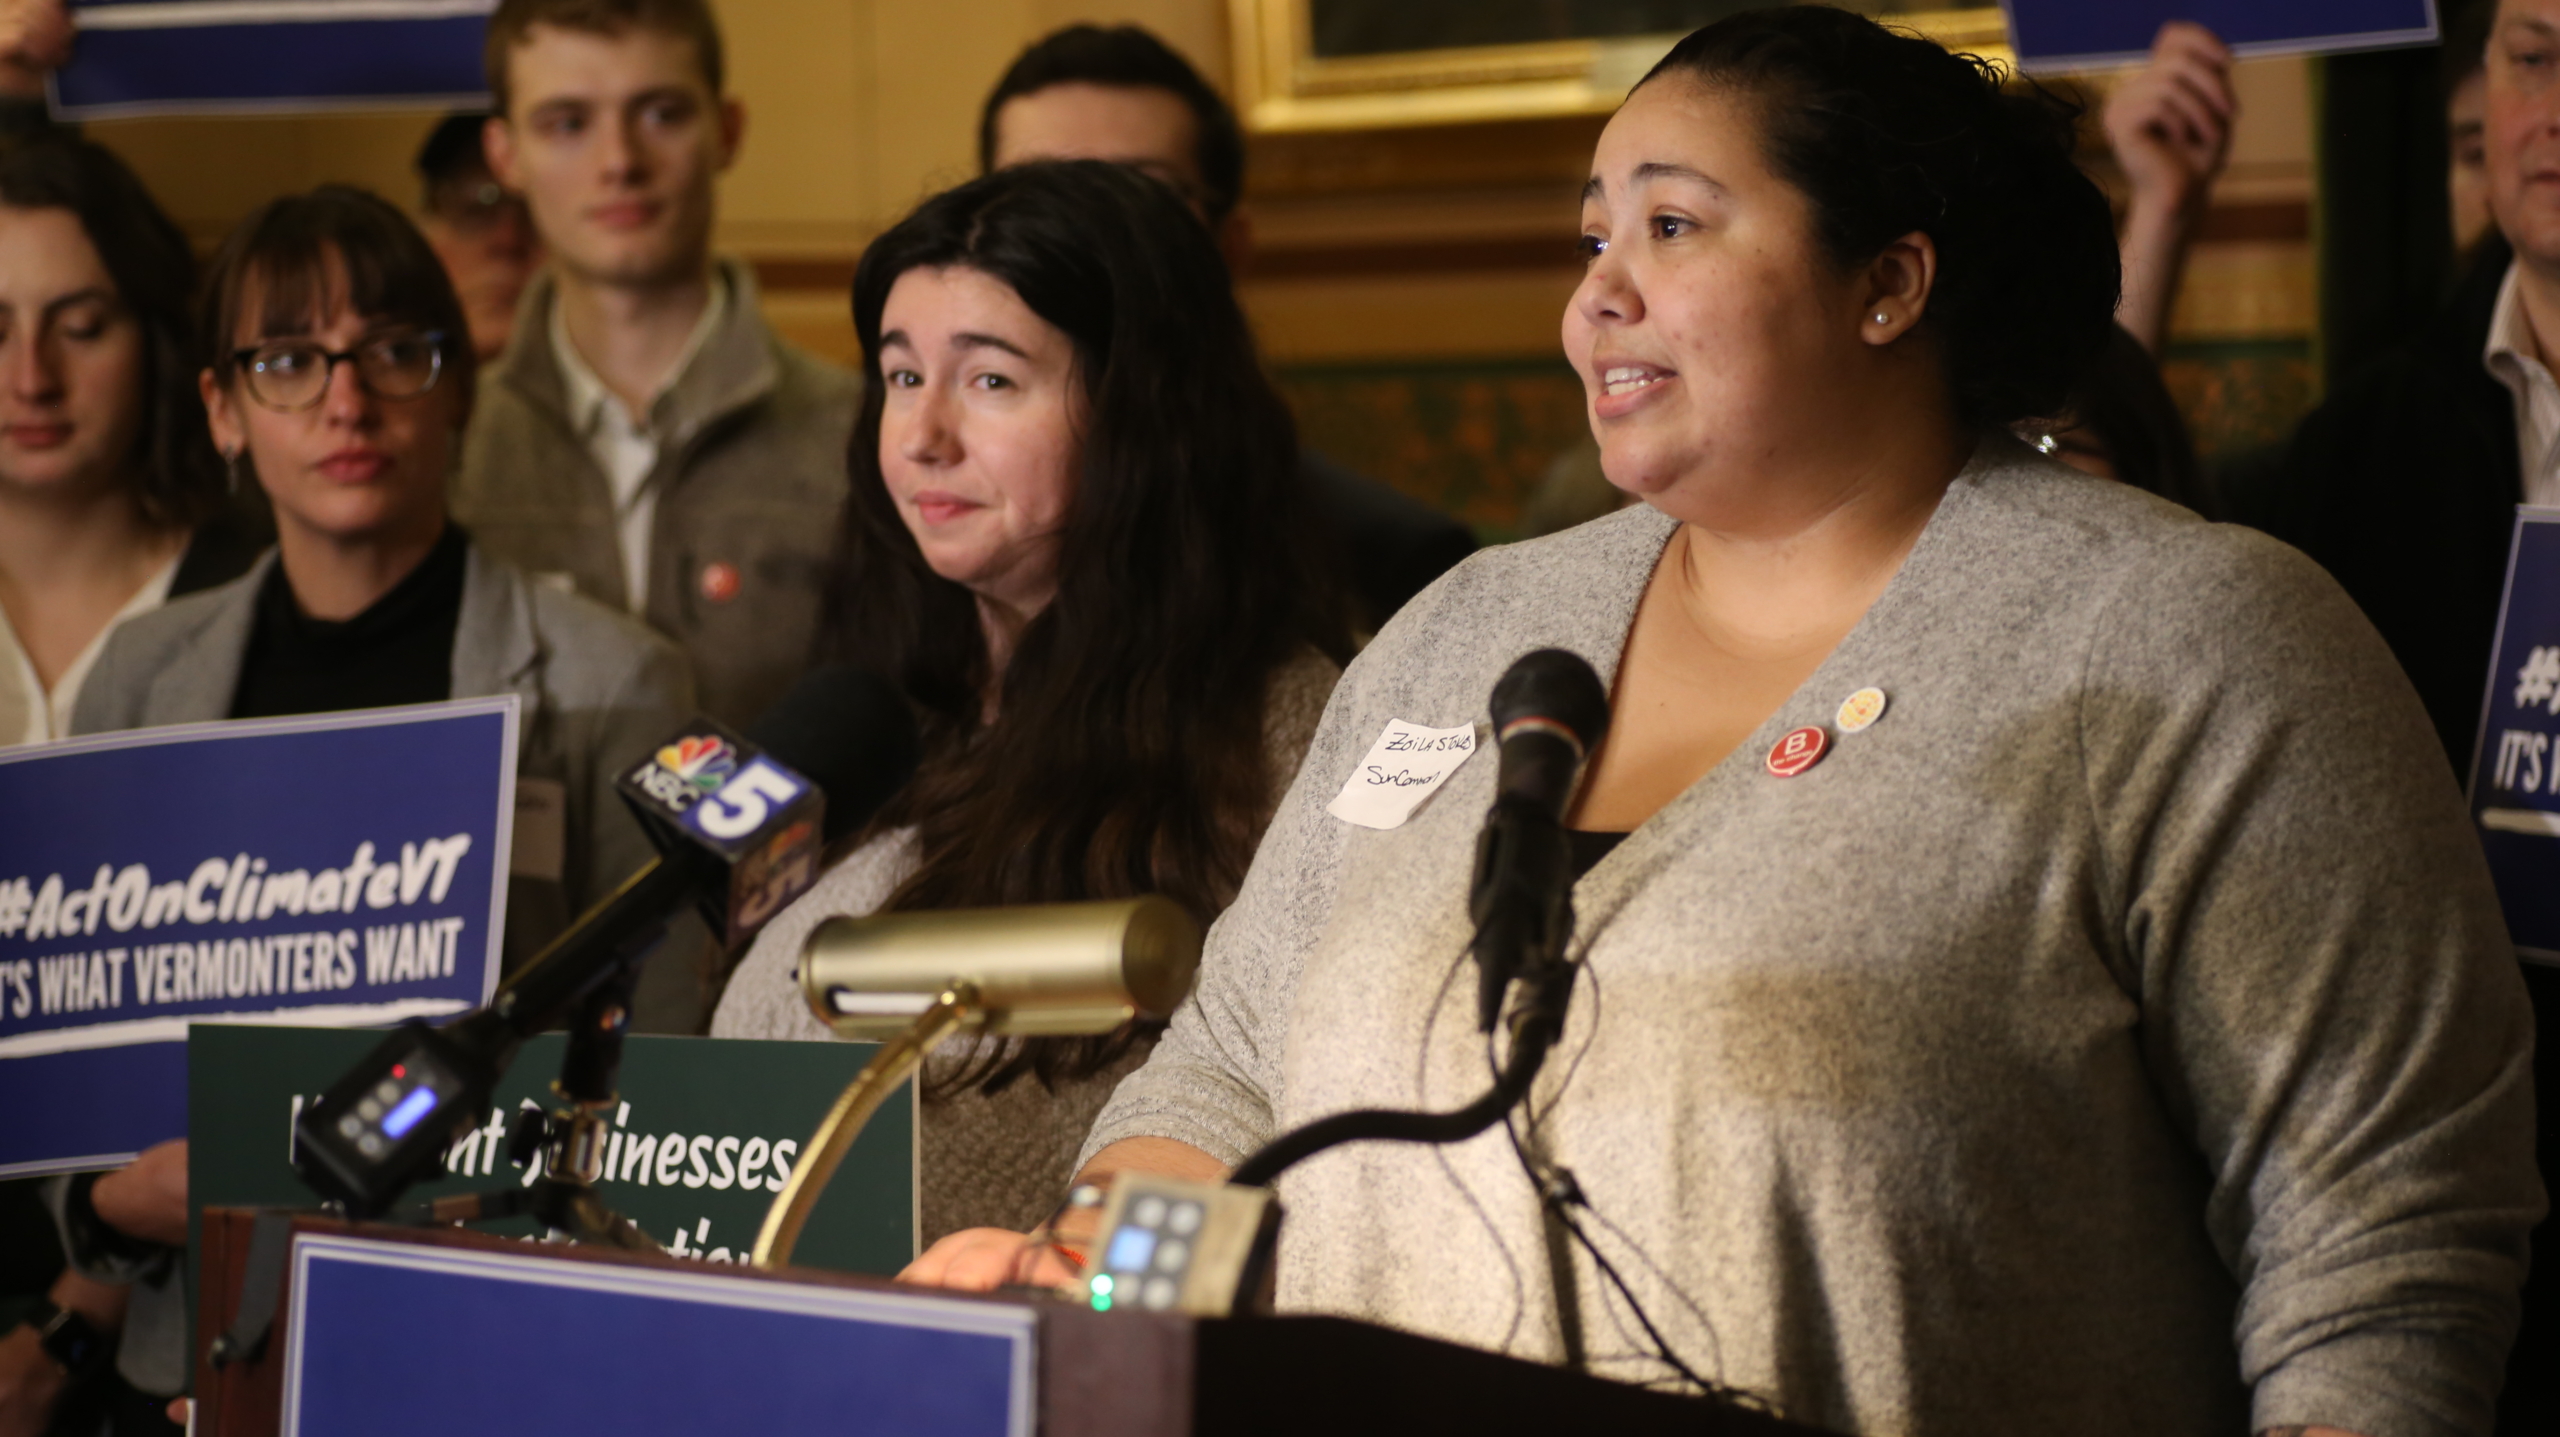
849	732
1558	686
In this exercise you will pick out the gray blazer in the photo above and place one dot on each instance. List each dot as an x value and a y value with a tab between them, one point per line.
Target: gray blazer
598	689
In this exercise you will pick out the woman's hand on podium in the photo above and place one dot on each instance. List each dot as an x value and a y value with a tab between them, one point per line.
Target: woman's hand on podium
982	1259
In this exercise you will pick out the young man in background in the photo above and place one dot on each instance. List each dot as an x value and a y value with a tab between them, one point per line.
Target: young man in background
646	435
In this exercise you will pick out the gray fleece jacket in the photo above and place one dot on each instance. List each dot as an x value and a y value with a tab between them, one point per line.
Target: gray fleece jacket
2119	1036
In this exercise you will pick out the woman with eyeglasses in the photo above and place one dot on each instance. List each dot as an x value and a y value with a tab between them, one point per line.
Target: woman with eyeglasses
338	371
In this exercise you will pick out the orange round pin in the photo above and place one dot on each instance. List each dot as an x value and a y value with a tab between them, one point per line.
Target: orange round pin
719	581
1798	751
1859	711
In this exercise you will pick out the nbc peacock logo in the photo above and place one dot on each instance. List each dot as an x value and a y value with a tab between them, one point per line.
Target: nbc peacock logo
704	761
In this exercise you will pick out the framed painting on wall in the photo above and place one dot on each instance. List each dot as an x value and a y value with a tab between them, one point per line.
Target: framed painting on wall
1316	65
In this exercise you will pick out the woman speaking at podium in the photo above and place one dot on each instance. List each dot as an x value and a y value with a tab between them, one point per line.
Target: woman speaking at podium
1075	542
2036	976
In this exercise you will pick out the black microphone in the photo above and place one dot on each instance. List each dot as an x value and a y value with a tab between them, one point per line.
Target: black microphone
851	733
1549	713
739	830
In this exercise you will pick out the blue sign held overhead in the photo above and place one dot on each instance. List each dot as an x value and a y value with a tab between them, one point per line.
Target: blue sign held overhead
2515	770
164	57
2079	35
338	870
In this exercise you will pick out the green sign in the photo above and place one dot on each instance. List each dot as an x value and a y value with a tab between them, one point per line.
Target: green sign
706	1133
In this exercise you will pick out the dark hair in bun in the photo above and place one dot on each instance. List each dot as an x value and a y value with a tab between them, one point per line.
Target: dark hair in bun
1886	133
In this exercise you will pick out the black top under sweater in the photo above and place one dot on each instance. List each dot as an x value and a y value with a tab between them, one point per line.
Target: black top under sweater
399	651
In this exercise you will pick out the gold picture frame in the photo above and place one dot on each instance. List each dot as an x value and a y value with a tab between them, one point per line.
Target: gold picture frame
1283	87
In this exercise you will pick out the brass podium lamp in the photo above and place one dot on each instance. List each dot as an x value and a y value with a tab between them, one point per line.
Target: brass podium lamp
910	980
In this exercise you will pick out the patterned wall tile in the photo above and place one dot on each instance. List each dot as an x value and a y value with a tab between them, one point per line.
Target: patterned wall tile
2242	394
1472	438
1475	438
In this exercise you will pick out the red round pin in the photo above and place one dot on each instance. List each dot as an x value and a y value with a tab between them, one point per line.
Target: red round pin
1798	751
719	581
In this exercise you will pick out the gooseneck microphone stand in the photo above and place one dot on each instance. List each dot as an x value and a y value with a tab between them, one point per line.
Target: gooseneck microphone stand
570	1140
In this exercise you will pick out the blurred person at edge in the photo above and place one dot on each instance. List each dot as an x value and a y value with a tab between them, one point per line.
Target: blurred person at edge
2193	1082
1074	542
112	502
2169	126
2463	72
35	41
647	434
479	229
2404	482
1120	94
112	499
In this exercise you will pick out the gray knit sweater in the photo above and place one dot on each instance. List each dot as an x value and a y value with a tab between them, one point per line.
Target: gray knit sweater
2120	1036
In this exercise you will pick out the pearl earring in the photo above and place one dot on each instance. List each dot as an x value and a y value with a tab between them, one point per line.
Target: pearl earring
1882	318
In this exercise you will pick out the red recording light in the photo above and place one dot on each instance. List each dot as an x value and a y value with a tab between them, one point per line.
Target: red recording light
399	1070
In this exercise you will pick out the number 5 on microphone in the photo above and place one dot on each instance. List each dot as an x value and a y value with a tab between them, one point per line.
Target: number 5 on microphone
745	802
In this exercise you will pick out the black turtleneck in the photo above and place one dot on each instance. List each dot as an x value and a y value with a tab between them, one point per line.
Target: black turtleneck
399	651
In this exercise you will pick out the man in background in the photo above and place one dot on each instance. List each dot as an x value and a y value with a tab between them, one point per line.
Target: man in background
646	436
479	230
1121	94
2404	482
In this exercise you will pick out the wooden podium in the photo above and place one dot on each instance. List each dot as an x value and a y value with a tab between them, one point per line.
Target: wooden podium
1116	1374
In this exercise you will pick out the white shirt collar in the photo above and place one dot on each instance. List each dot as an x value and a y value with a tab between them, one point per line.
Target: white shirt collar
29	714
2511	338
2515	358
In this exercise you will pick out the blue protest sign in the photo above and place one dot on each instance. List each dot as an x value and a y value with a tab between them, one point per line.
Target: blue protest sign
392	1339
2515	768
334	870
2077	35
162	57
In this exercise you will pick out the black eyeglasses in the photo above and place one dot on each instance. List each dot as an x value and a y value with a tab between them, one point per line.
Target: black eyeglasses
292	375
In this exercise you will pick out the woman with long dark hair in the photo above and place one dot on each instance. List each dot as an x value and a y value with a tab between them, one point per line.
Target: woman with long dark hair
112	500
2032	974
1074	541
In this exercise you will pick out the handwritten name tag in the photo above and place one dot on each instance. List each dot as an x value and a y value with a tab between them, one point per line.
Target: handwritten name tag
1406	765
